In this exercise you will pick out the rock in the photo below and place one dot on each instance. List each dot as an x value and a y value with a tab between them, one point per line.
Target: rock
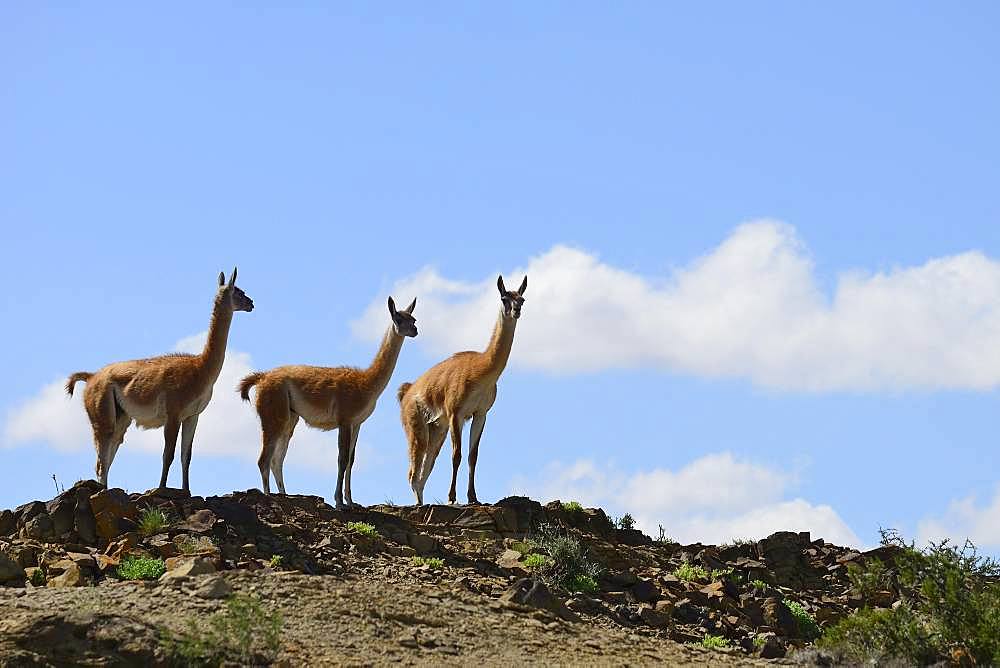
106	563
527	591
62	511
121	547
625	578
83	519
422	543
644	591
686	612
7	523
40	527
654	618
779	617
179	567
114	513
202	521
773	647
510	559
24	513
10	570
213	587
72	576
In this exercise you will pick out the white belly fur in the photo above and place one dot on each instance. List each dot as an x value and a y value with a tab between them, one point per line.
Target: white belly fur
324	417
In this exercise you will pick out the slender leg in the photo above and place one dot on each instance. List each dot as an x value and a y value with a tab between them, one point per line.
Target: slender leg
121	426
169	445
456	454
416	437
102	421
187	439
278	457
343	454
476	433
355	430
274	409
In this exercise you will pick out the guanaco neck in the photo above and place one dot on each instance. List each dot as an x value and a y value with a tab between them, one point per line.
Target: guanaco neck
498	351
214	353
384	363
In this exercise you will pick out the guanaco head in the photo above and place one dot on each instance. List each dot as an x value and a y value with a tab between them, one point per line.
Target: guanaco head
511	300
231	295
403	322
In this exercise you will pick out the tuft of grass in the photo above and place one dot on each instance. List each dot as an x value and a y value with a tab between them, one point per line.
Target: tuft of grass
949	609
759	586
38	578
724	574
663	537
151	521
583	583
758	641
134	567
363	528
534	561
572	506
567	559
741	542
690	573
433	562
714	642
244	634
806	624
275	561
626	522
189	545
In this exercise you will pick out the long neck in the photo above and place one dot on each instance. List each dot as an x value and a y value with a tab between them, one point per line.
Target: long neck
498	351
384	363
214	353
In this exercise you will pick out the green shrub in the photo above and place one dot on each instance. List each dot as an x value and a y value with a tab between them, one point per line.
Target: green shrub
626	522
275	561
191	545
759	640
134	567
152	520
534	560
724	574
759	586
807	626
583	583
433	562
714	642
38	578
244	634
690	573
868	579
949	606
363	528
567	559
572	506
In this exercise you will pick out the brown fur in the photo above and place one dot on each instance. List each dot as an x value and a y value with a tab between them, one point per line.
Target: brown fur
460	388
326	398
169	391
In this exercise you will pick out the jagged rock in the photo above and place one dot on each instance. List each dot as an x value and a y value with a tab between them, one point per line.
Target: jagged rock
535	594
71	576
40	527
686	612
114	513
179	567
644	591
202	521
7	523
509	559
213	587
10	570
773	647
62	510
779	617
654	618
422	543
25	512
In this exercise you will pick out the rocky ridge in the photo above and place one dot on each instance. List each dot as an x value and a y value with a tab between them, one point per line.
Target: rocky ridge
355	596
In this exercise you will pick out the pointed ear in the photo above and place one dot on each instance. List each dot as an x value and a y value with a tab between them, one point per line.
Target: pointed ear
392	306
413	304
524	285
222	278
500	286
232	279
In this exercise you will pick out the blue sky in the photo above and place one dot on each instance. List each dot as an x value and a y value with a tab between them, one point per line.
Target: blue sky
762	243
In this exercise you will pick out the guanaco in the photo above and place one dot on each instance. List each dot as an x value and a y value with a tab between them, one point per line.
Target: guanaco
169	391
326	398
460	388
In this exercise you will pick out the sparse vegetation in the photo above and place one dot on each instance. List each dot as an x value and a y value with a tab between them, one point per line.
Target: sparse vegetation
714	642
534	561
363	528
192	545
151	521
275	561
807	626
741	542
949	609
432	562
662	537
868	579
724	574
136	567
568	565
759	640
759	586
690	573
626	522
573	506
244	634
38	578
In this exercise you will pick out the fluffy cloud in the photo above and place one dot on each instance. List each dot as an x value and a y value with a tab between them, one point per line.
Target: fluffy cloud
965	519
751	308
713	499
228	427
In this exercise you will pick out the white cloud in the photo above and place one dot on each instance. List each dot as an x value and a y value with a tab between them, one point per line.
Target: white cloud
964	519
228	427
751	308
712	500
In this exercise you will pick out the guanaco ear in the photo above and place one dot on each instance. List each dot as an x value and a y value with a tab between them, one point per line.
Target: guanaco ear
524	285
222	278
232	279
500	286
392	306
409	309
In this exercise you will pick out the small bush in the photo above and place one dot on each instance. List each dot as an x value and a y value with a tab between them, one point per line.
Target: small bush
363	528
534	561
714	642
583	583
724	574
433	562
567	559
152	520
244	634
626	522
135	567
690	573
759	640
759	586
663	537
38	578
275	561
807	626
870	578
573	506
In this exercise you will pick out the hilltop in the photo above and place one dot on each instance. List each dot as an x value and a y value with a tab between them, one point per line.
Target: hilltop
487	584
